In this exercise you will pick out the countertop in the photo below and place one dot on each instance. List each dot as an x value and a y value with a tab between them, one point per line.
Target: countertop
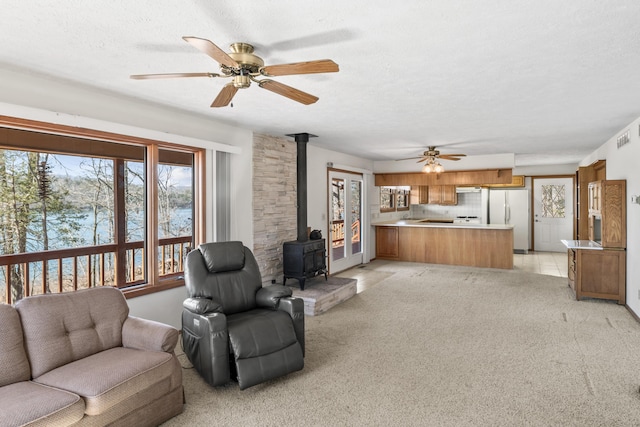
581	244
418	223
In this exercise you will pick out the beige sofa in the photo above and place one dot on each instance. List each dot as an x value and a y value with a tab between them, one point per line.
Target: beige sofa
78	358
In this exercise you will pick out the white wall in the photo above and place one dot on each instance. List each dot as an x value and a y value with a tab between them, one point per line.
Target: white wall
622	163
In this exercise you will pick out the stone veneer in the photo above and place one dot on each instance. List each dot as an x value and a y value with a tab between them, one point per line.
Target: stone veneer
274	202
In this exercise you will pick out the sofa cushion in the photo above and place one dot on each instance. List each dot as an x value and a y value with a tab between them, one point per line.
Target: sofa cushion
14	366
112	376
35	404
61	328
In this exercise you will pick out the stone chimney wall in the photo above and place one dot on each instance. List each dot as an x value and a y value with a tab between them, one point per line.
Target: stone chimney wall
274	202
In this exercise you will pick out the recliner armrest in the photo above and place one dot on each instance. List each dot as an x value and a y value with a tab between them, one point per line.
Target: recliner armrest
295	308
269	296
202	305
144	334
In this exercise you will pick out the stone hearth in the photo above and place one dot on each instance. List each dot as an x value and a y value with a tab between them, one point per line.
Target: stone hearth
320	295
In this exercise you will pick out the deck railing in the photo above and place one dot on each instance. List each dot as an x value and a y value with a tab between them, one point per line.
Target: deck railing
64	270
337	232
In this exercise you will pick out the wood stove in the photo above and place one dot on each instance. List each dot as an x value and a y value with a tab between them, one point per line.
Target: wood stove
303	258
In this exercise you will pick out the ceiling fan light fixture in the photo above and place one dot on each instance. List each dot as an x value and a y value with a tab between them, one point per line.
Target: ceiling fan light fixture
432	166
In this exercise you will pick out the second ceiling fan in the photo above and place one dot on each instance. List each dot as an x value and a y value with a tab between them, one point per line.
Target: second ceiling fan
431	157
243	67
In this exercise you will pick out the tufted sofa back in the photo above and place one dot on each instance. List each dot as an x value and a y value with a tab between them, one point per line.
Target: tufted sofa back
226	272
61	328
14	366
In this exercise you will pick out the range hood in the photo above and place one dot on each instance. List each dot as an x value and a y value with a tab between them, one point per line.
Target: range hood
468	189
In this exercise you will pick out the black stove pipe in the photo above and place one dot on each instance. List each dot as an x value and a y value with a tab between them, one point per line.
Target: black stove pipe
301	183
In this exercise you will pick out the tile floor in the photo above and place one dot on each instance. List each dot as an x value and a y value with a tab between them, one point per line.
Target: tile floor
549	263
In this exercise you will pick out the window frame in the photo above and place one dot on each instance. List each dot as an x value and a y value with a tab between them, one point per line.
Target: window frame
42	136
395	193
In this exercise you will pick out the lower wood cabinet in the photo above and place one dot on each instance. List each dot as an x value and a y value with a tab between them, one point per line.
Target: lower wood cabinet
598	274
387	242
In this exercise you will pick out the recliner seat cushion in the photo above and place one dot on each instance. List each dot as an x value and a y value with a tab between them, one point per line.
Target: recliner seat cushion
112	376
259	332
264	346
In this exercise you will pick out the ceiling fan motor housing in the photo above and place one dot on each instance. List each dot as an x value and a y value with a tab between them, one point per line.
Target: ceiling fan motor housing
242	53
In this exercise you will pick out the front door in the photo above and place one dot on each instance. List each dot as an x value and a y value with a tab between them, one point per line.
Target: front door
553	213
345	220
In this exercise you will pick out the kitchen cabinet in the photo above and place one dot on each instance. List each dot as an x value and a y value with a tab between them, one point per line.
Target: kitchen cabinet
475	245
598	274
516	181
387	242
419	195
595	199
443	195
608	207
462	178
584	175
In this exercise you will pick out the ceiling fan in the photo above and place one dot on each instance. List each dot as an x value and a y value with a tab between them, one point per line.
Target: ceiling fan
431	157
242	66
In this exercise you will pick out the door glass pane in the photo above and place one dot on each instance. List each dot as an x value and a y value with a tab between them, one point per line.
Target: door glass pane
553	201
337	218
356	220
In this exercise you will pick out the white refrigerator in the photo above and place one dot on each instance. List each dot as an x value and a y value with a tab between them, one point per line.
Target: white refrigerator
512	207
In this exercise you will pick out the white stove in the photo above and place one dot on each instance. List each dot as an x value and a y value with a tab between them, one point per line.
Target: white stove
466	220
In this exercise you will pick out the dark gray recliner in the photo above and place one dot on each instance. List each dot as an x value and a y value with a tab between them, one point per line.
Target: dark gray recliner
231	325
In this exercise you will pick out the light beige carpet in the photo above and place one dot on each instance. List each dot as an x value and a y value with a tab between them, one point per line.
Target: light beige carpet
447	346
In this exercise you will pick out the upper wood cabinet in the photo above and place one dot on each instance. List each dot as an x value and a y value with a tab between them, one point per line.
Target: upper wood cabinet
595	197
585	175
443	195
419	195
472	177
608	202
516	181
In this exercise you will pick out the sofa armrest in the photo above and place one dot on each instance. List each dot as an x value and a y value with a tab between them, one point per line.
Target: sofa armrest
143	334
202	305
270	296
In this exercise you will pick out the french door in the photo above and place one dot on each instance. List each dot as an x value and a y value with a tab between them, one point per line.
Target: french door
345	220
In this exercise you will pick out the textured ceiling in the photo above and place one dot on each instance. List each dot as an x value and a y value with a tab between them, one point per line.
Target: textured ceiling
547	80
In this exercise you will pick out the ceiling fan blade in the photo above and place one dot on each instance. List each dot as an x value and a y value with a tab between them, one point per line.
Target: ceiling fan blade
410	158
451	156
170	75
309	67
288	91
212	50
225	96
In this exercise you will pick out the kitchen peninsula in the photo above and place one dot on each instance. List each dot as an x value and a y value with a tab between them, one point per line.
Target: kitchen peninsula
475	245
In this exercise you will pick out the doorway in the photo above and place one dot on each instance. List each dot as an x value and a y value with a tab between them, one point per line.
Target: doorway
552	213
345	220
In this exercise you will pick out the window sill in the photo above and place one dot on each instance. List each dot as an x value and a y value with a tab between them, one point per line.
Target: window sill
146	289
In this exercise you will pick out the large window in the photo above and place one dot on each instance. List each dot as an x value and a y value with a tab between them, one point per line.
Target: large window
78	213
